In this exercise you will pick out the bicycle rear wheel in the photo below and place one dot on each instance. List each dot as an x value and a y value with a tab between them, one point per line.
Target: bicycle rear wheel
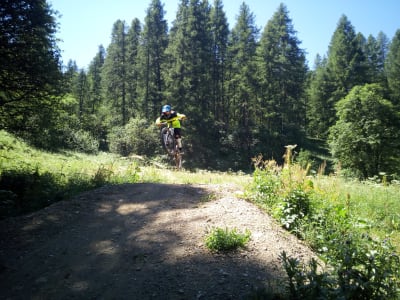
178	159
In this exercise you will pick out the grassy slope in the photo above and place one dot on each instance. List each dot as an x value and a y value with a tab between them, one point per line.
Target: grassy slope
50	177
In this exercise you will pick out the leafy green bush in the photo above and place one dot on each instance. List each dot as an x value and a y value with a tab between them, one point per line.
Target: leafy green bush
359	269
366	138
305	282
82	141
293	208
226	240
266	183
284	192
136	137
117	141
358	266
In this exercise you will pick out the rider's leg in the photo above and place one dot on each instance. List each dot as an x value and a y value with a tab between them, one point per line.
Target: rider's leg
178	138
179	142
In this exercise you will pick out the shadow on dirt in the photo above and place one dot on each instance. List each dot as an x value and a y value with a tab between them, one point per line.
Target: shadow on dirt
131	241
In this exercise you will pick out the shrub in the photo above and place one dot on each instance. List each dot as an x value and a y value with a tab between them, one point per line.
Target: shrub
284	192
226	240
359	269
83	141
293	208
136	137
266	183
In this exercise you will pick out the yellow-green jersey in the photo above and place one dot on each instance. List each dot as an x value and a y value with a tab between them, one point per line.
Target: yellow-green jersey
173	119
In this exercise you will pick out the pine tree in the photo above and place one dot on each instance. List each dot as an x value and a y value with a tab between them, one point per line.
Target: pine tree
345	68
81	92
132	73
154	41
189	56
375	50
69	74
392	67
282	75
242	81
94	120
115	75
320	105
188	74
94	75
220	34
346	60
30	66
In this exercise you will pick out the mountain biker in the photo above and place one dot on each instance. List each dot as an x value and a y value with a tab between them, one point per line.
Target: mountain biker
173	119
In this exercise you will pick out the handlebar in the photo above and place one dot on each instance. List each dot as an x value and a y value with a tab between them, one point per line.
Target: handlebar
166	122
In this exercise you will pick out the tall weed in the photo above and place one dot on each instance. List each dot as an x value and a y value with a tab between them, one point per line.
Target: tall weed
327	216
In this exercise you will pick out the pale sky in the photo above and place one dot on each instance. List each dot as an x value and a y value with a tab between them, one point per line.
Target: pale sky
86	24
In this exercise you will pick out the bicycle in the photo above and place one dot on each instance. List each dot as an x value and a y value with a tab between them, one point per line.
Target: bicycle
170	145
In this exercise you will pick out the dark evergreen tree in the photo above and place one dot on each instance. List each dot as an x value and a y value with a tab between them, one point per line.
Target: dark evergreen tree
242	82
115	76
81	92
30	72
282	71
345	68
94	121
188	72
220	34
70	72
392	67
154	41
383	43
94	74
132	77
178	61
321	112
189	57
375	50
346	60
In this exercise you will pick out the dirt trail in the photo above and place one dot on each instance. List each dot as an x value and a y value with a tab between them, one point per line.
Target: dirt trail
140	241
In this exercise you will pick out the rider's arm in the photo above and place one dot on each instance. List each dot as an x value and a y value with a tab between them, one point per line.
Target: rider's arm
158	121
181	116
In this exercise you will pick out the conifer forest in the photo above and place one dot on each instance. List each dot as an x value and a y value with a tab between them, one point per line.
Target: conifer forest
245	90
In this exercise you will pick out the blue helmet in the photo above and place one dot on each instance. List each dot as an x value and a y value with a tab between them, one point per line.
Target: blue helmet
166	108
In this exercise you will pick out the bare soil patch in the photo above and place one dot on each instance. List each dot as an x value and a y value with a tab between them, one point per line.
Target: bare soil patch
141	241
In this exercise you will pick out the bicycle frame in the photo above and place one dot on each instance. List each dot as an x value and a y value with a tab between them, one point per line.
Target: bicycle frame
169	144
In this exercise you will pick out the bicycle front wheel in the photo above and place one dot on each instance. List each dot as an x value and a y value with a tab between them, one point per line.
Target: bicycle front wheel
168	140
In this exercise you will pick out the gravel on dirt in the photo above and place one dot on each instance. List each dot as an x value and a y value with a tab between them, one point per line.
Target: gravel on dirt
142	241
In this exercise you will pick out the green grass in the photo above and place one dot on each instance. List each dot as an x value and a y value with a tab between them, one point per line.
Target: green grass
31	179
171	176
375	206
